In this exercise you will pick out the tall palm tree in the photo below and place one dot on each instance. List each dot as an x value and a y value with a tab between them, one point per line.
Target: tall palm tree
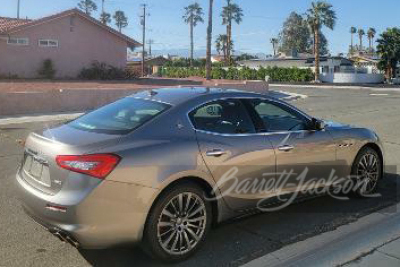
193	15
274	42
221	44
361	34
121	21
88	6
209	39
353	30
105	18
371	35
320	14
230	13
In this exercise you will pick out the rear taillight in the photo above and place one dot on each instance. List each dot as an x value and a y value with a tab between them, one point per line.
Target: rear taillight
96	165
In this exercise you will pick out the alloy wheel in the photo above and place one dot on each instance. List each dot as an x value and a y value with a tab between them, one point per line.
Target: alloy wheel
368	173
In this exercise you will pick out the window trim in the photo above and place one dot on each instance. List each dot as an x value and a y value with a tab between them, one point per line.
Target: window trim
241	98
48	43
17	43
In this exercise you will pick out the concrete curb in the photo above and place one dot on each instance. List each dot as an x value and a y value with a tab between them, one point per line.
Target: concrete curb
340	246
39	118
335	87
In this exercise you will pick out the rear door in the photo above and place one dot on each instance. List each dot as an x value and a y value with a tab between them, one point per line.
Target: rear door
238	157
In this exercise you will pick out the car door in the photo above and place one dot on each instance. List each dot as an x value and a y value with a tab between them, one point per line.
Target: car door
303	154
238	157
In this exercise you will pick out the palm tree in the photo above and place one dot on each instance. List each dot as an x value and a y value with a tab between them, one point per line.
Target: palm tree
361	34
389	50
353	30
320	14
121	21
221	44
231	12
209	39
105	18
371	35
274	42
193	15
88	6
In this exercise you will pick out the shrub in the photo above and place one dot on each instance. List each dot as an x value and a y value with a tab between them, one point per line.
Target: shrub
102	71
47	70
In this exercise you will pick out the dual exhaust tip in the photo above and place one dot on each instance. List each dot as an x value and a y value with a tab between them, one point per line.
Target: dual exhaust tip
64	237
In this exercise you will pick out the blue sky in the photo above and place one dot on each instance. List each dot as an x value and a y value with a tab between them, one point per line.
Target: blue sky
263	19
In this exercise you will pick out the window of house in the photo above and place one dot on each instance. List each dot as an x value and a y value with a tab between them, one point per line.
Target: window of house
48	43
17	41
224	117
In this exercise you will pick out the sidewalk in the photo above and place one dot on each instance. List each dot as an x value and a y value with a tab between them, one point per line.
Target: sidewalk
371	239
386	256
332	86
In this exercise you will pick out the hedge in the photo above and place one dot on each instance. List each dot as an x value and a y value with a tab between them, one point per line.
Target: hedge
275	74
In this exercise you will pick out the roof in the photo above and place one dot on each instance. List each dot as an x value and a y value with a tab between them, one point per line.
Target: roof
176	96
12	25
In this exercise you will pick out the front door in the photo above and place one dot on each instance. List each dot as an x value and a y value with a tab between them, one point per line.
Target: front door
238	157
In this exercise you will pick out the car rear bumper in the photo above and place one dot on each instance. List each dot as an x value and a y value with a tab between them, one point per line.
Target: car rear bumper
113	213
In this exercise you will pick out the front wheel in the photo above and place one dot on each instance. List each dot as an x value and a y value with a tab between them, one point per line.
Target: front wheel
367	171
178	223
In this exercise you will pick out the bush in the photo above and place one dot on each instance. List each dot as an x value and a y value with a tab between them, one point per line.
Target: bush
102	71
275	74
47	70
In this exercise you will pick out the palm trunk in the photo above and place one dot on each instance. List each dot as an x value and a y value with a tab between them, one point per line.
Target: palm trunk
191	43
228	45
361	45
352	43
316	34
209	40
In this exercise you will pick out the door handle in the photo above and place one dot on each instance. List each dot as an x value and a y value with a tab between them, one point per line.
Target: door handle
286	148
215	153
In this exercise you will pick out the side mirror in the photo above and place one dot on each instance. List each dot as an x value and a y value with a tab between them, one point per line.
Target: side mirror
319	125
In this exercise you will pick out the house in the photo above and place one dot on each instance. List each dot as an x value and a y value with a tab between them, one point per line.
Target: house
152	65
71	39
370	64
217	58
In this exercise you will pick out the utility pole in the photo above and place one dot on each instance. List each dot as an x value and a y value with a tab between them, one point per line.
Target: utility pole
150	42
144	37
19	5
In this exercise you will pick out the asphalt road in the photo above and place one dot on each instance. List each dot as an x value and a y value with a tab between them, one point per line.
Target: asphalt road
23	243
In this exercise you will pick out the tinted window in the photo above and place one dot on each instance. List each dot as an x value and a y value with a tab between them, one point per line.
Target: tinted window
120	117
278	117
223	116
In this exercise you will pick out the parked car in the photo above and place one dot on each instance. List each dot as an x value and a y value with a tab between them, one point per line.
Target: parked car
147	169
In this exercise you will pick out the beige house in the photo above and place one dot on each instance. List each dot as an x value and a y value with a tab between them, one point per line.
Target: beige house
71	39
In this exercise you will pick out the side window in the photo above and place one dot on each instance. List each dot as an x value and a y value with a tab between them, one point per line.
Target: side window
277	118
223	116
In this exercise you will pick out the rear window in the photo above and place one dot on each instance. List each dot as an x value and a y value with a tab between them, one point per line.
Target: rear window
120	117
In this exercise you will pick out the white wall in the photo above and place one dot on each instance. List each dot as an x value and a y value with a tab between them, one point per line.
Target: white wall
352	78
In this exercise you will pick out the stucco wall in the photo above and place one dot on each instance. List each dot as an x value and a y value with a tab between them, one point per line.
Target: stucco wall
352	78
80	43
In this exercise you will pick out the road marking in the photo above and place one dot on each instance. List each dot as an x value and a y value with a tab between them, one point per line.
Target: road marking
378	94
41	118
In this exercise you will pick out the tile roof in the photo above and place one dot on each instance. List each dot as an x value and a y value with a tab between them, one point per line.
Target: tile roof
11	25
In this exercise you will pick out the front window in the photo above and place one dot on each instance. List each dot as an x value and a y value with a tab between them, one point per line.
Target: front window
278	118
17	41
224	117
48	43
120	117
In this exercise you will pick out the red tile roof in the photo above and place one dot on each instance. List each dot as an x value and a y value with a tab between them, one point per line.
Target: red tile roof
11	25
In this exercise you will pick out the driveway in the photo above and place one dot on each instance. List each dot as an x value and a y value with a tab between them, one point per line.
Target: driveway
23	243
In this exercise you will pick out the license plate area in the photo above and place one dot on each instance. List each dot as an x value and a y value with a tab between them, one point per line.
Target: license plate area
37	169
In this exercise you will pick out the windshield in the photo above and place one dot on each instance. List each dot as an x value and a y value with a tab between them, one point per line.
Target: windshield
120	117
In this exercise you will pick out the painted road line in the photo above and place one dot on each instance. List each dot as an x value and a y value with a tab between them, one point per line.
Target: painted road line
40	118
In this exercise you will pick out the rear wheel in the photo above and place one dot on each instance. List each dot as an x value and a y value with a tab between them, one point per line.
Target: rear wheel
178	223
367	171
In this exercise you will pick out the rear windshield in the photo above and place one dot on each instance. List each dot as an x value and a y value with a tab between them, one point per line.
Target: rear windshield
120	117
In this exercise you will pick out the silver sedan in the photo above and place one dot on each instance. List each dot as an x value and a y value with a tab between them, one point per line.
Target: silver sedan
162	166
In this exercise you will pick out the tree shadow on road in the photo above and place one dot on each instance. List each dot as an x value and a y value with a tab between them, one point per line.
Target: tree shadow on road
239	241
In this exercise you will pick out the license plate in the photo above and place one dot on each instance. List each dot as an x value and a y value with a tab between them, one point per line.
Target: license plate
37	170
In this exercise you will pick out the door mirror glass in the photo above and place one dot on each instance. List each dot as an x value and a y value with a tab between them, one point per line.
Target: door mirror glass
319	125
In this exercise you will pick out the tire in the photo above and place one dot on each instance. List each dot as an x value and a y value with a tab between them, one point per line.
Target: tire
176	229
366	167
